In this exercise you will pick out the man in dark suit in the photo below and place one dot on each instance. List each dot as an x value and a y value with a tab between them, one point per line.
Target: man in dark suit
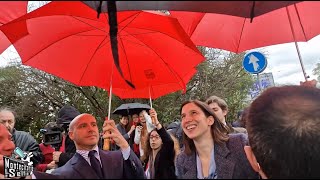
90	162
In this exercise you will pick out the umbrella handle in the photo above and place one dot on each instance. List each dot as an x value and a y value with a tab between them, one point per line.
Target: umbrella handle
107	141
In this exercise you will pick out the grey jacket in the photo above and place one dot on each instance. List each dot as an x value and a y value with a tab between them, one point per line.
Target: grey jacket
230	158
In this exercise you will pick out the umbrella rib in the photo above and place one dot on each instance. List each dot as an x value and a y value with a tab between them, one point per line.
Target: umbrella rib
84	72
244	22
156	31
126	57
135	16
55	43
89	24
304	33
175	73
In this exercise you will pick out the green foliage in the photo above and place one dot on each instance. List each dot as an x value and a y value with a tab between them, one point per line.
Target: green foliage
37	96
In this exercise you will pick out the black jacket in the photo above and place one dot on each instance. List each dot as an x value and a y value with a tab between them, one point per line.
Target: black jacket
65	116
164	161
27	143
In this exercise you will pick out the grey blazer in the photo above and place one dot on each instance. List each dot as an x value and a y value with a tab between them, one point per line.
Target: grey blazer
113	164
230	158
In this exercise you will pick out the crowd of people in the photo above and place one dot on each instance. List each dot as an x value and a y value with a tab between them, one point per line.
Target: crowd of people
275	137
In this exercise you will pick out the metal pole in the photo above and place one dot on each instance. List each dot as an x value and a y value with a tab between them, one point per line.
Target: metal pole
259	83
150	97
297	47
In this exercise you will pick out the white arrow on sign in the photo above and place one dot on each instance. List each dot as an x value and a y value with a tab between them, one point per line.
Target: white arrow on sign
253	60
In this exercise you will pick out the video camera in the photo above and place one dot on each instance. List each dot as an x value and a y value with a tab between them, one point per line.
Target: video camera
52	137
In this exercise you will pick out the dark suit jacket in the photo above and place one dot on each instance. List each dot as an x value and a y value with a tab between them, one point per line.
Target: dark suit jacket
230	158
42	175
114	167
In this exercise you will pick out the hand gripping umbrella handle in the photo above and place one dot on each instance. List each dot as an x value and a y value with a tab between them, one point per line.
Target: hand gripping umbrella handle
107	141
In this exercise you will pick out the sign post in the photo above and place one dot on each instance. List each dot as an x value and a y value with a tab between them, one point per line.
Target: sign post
255	63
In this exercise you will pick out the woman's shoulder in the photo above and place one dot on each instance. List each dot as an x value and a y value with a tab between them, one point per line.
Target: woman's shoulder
237	140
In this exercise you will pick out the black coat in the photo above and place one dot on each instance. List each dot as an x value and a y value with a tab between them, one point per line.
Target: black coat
164	161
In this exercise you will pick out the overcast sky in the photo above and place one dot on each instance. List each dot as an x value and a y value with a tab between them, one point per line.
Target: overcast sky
283	61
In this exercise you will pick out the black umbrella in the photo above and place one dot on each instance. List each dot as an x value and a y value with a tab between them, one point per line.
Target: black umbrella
131	108
247	9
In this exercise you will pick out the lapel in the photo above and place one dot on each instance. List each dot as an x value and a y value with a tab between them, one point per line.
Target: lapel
224	165
82	167
190	167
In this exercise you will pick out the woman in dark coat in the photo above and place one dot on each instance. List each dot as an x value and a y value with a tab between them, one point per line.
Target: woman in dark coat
159	152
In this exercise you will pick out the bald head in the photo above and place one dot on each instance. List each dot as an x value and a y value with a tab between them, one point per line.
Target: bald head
83	130
73	123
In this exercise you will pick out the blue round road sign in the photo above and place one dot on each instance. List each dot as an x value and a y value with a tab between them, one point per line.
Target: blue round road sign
254	62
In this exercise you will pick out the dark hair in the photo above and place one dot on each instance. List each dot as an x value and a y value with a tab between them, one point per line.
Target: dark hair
284	131
218	130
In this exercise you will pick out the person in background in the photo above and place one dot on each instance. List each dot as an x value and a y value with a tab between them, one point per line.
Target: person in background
21	139
241	120
48	164
65	115
135	146
159	152
284	133
125	129
220	108
142	130
209	151
6	147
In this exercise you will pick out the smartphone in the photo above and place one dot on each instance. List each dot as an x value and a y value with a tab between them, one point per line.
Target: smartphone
19	153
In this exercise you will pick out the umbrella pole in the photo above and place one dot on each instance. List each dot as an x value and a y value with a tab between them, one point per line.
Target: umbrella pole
152	118
150	97
106	144
296	44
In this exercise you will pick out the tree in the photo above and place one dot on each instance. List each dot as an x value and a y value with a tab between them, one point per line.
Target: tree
316	71
37	96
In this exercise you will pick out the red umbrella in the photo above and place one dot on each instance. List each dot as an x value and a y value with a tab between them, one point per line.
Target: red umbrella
153	89
10	10
290	24
67	40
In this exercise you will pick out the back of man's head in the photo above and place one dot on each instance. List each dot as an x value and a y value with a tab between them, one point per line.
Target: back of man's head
284	131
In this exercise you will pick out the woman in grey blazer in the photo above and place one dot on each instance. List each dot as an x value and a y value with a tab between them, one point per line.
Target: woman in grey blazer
209	151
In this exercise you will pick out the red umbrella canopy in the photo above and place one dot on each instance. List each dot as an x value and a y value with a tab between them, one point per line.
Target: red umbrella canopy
155	90
67	40
237	34
10	10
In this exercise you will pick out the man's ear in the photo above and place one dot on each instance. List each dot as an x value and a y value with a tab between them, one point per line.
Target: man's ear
71	135
251	158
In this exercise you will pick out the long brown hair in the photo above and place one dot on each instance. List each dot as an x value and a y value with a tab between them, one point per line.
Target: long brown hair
147	148
218	130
